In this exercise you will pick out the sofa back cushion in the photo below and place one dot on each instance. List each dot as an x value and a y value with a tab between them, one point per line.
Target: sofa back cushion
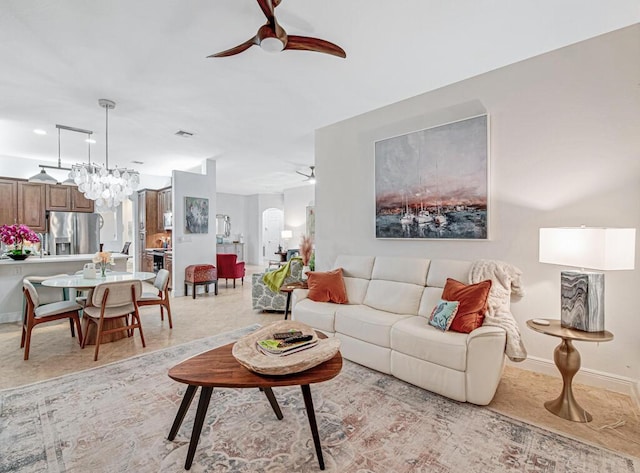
430	298
441	269
396	284
392	296
356	271
355	266
409	270
356	289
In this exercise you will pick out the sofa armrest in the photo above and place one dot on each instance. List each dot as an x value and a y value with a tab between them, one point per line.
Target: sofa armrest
485	361
297	296
486	331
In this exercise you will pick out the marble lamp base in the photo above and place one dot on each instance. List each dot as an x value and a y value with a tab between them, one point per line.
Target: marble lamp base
582	301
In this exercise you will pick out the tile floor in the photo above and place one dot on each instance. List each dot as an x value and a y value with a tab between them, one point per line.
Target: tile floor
520	395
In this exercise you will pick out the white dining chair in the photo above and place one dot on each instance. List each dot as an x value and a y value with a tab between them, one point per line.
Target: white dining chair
111	301
46	295
161	298
37	313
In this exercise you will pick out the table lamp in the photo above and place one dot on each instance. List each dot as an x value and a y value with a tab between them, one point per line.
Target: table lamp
582	292
286	235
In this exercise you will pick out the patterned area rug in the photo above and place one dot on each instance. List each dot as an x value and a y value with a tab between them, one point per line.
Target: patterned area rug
116	419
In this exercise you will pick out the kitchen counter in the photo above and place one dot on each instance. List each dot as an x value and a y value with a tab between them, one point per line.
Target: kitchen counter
35	259
12	272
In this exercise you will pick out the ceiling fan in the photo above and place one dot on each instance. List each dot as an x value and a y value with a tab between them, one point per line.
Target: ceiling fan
309	177
273	38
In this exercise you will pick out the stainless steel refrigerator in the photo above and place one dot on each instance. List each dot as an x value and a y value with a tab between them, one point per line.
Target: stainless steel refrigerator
73	233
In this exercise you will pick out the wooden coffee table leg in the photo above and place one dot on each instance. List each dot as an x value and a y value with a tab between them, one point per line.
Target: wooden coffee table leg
201	413
184	407
308	404
273	401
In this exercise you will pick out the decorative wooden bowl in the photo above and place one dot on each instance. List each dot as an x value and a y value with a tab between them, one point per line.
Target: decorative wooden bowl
248	355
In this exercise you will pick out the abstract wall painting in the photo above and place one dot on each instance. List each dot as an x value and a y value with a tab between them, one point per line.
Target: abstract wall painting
433	183
196	215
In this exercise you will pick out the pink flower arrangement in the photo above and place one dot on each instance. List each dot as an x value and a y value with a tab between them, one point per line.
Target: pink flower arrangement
16	236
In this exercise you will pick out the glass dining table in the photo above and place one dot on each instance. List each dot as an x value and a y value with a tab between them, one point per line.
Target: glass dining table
78	282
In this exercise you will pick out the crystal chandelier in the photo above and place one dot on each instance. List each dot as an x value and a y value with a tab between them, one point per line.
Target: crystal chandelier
108	187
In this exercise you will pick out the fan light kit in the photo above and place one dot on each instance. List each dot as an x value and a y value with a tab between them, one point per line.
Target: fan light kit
273	38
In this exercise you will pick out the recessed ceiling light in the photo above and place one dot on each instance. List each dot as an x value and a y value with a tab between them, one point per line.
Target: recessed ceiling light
137	162
38	131
90	140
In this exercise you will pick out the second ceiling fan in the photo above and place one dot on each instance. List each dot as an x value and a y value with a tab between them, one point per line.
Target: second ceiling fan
273	38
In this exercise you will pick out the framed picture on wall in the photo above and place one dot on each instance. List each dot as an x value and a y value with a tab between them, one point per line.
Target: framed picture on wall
433	183
196	215
311	222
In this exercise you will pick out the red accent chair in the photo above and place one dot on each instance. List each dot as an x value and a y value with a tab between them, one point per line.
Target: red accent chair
229	268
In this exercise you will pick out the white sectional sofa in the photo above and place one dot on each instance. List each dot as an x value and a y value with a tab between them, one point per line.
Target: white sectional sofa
385	326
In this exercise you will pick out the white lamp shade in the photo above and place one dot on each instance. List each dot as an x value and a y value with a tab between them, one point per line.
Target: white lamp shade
285	234
592	248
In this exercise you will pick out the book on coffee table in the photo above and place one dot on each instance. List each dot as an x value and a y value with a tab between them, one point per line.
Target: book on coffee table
278	348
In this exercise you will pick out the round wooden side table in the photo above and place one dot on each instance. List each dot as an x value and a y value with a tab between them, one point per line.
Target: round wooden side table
288	289
567	360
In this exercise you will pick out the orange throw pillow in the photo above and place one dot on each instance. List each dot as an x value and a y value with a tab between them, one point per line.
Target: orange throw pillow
473	303
327	286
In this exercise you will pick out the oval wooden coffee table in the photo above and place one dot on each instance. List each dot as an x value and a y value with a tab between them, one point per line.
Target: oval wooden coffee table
218	368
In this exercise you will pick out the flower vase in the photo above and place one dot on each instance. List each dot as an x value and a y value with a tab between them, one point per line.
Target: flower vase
103	270
304	272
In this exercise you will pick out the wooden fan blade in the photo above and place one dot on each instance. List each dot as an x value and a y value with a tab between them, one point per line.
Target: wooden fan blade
267	8
304	43
238	49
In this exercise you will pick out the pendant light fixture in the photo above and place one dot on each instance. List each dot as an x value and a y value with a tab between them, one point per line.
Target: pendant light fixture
42	176
107	187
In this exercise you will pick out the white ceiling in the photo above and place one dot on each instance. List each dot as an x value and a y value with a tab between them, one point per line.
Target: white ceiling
255	113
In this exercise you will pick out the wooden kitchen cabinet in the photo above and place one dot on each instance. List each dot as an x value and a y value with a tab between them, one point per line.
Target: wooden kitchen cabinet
148	211
67	199
31	205
79	203
58	198
147	262
164	205
9	200
168	265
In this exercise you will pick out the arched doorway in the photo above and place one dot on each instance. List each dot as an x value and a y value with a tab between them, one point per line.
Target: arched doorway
272	225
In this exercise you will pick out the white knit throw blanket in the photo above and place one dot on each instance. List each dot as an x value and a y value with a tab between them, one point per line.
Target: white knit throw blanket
505	280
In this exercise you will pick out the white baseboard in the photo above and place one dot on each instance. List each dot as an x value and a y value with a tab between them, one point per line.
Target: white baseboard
599	379
635	393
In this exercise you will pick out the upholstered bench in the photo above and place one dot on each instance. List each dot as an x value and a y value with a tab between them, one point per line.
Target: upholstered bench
200	275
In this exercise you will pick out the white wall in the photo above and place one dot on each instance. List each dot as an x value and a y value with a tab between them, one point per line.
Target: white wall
193	248
236	207
256	204
565	151
296	201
